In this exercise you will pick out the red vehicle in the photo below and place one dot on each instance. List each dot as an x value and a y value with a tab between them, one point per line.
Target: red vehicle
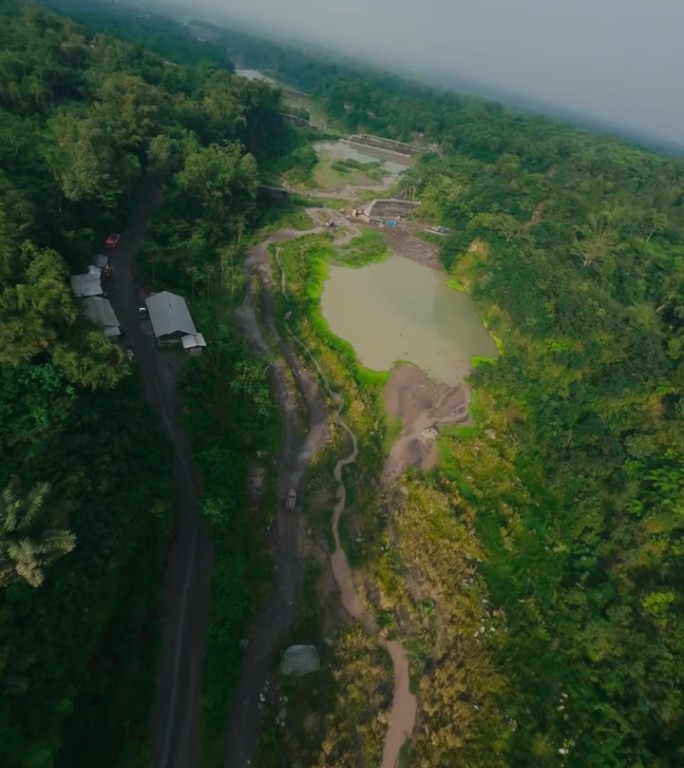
112	241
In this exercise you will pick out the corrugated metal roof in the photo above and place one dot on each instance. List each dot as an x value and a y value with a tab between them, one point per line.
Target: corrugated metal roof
193	340
169	314
99	311
88	284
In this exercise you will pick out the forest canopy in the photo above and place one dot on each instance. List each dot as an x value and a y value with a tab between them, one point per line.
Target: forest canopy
85	498
572	246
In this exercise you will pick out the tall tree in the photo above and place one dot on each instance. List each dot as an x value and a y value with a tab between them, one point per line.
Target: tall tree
30	538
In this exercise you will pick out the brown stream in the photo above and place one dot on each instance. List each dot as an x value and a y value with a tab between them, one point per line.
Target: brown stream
403	714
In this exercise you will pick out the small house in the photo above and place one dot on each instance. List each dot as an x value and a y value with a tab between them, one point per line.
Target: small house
100	312
88	284
193	343
170	317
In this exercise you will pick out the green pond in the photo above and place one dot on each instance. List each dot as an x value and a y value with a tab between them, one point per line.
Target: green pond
393	163
401	310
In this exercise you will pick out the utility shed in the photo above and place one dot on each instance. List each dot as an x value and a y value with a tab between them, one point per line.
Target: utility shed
170	316
194	342
99	311
88	284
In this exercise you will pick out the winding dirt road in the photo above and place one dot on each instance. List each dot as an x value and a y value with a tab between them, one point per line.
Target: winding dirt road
297	451
186	581
299	446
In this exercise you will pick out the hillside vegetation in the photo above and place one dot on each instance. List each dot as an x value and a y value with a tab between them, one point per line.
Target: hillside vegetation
571	246
85	495
536	577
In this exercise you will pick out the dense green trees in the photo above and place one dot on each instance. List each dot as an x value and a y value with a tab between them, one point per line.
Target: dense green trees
573	258
571	245
83	119
27	545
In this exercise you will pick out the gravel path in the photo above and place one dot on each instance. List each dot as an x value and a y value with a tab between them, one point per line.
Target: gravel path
297	450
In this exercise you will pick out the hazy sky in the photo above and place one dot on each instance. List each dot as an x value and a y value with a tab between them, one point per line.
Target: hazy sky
621	60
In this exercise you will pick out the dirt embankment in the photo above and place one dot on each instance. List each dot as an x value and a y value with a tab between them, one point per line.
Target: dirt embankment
402	241
423	407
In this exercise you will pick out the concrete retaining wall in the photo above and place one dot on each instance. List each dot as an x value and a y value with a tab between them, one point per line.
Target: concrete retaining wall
378	141
390	208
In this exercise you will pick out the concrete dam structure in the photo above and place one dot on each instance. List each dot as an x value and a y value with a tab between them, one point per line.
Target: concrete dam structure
377	141
381	209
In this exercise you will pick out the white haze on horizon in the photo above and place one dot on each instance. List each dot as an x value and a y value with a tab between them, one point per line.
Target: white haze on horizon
616	60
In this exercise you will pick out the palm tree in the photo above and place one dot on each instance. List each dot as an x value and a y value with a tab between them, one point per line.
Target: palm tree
599	238
28	541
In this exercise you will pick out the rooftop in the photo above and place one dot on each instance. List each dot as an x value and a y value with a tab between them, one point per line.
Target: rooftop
193	340
87	284
99	311
169	314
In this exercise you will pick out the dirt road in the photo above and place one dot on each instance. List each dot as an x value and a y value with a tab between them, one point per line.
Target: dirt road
299	446
186	581
297	450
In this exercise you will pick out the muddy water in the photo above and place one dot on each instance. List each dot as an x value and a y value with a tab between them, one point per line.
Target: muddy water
401	310
393	163
403	715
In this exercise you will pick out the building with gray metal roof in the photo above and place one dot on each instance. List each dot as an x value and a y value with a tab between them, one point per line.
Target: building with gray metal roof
88	284
170	316
99	311
193	343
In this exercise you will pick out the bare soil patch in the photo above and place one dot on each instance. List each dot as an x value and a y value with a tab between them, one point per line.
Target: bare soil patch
403	242
400	240
478	246
423	406
537	214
